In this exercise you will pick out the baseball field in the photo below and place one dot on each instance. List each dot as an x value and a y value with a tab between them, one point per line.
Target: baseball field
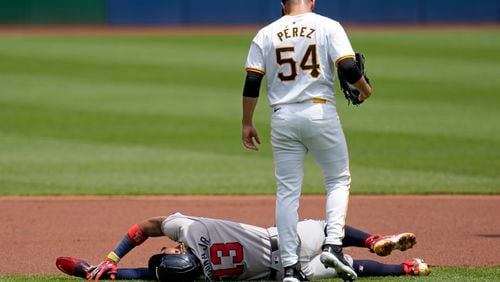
100	129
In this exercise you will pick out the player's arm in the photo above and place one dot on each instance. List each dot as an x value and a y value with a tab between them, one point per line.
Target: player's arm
251	93
343	54
354	76
135	236
152	227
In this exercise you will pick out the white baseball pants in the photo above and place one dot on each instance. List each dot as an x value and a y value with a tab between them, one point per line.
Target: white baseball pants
295	130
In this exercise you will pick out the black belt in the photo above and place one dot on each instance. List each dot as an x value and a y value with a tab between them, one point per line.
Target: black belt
274	247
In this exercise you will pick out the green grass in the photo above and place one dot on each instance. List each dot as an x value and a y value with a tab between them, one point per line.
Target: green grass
438	274
161	115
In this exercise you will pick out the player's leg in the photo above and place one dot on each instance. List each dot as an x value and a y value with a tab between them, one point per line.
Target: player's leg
328	147
326	142
374	268
289	155
414	267
354	237
289	175
382	245
134	274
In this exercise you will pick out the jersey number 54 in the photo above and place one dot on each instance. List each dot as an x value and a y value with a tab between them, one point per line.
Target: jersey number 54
309	62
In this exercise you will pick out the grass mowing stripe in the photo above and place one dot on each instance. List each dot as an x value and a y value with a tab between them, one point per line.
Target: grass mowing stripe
51	166
157	115
135	98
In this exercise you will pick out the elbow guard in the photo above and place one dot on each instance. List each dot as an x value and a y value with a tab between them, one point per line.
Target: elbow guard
349	70
252	84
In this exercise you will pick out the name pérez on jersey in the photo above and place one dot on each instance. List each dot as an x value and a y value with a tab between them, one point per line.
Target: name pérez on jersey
292	32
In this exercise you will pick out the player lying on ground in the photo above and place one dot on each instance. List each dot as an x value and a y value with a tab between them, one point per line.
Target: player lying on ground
216	249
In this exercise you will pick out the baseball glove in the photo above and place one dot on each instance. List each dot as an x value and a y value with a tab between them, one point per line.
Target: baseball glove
350	92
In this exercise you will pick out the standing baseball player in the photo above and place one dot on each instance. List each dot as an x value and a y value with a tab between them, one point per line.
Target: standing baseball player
299	53
216	249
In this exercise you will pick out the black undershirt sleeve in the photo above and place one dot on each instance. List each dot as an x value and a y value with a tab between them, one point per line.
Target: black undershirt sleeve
252	84
349	70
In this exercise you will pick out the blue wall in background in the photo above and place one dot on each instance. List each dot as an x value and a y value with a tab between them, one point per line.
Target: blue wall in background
454	11
225	11
242	12
191	12
382	11
145	12
196	12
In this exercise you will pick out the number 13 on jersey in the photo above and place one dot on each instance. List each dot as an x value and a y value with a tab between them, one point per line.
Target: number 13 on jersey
231	251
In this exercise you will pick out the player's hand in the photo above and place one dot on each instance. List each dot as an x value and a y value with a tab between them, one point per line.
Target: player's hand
363	96
108	267
250	137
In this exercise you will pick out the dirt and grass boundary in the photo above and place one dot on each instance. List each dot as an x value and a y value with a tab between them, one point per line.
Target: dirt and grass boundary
451	230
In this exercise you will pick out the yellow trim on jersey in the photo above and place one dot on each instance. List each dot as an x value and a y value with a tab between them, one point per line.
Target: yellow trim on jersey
319	100
256	70
343	58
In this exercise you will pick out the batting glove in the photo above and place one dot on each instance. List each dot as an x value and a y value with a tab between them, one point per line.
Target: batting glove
108	267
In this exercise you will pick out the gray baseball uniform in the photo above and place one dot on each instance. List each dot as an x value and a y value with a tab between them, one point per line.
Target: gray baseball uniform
236	251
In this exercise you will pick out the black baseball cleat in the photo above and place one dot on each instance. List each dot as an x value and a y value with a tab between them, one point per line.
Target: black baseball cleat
294	273
332	256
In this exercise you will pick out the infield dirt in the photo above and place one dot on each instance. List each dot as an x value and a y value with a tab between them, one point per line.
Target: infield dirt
451	230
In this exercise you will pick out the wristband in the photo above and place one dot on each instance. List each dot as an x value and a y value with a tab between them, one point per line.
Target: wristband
113	257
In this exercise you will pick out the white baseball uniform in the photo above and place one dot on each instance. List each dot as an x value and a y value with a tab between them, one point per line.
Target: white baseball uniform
235	251
298	54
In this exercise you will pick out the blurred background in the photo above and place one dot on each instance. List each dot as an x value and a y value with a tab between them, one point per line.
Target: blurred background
196	12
